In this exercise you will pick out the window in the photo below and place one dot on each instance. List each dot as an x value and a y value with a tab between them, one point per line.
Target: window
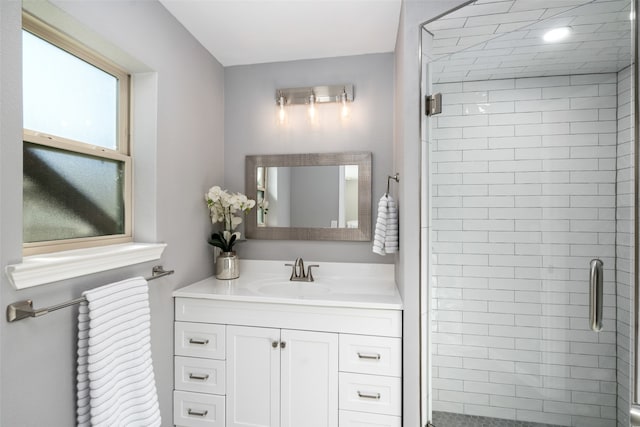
77	164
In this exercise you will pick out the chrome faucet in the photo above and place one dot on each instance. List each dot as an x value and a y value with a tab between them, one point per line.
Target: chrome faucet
297	271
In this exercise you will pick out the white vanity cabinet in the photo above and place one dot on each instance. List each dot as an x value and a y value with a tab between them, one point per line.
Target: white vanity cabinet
282	378
245	359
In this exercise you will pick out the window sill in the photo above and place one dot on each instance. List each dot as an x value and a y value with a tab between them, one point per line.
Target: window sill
38	270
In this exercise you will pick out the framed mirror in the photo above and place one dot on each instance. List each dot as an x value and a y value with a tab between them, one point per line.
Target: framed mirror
325	196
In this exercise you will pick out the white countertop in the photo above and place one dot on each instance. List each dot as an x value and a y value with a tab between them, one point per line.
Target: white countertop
336	285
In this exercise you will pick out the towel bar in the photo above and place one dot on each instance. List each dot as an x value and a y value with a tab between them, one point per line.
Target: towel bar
22	309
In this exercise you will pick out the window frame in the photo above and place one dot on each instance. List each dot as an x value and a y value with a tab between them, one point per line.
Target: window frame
123	154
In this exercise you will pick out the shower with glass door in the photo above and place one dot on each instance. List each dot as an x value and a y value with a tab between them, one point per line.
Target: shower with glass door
529	177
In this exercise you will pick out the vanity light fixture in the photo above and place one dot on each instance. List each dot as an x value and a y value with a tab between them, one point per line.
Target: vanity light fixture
556	34
312	96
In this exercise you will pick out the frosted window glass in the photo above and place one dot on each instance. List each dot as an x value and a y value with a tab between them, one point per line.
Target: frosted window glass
67	97
69	195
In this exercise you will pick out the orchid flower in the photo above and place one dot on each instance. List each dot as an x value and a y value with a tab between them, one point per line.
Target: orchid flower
222	209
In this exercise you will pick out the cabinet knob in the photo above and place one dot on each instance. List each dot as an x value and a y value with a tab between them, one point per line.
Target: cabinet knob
198	341
274	344
283	344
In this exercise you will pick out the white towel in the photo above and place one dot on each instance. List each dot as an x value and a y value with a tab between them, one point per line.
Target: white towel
385	239
116	384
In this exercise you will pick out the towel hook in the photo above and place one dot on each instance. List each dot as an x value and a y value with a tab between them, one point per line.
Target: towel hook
395	177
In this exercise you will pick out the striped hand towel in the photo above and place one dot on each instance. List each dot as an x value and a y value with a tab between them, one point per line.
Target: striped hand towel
391	235
385	239
116	384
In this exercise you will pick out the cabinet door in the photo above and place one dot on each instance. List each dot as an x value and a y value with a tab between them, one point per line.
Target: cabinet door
253	377
309	379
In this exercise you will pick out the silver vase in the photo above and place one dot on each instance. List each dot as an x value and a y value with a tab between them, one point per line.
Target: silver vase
227	266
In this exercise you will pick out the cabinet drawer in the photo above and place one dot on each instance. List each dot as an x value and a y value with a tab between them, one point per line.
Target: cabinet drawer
198	410
366	354
200	340
199	375
370	393
363	419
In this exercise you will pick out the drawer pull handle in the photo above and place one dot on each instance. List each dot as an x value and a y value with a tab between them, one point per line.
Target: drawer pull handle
199	377
370	356
364	395
197	413
198	341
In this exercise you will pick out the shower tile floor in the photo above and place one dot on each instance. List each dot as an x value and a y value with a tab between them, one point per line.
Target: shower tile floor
449	419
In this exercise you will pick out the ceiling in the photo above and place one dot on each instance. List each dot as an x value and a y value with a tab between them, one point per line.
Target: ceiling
487	39
239	32
503	39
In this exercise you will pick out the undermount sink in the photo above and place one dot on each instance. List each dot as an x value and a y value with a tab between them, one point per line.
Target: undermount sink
293	289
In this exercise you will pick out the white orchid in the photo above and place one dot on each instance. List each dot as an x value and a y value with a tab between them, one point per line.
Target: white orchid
223	207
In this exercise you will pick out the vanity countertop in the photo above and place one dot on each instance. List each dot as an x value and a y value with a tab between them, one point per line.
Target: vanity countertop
354	285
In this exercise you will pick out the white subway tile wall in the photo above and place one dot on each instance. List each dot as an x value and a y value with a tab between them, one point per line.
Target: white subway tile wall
523	197
624	242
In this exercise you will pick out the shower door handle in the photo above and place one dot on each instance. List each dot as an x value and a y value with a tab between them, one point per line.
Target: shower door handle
595	294
635	415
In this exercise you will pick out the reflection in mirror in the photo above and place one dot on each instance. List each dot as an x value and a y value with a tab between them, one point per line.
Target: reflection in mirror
336	186
310	196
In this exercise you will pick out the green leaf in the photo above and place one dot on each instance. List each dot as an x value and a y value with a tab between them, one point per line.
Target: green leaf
218	241
231	242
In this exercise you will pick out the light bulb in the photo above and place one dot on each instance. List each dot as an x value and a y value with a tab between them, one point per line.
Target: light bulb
557	34
344	110
312	106
282	114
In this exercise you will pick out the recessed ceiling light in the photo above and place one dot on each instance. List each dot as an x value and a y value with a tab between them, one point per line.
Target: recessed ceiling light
556	34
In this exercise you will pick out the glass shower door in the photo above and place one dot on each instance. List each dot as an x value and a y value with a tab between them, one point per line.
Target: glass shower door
531	177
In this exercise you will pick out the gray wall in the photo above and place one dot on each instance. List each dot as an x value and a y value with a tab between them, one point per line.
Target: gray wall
179	140
251	128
